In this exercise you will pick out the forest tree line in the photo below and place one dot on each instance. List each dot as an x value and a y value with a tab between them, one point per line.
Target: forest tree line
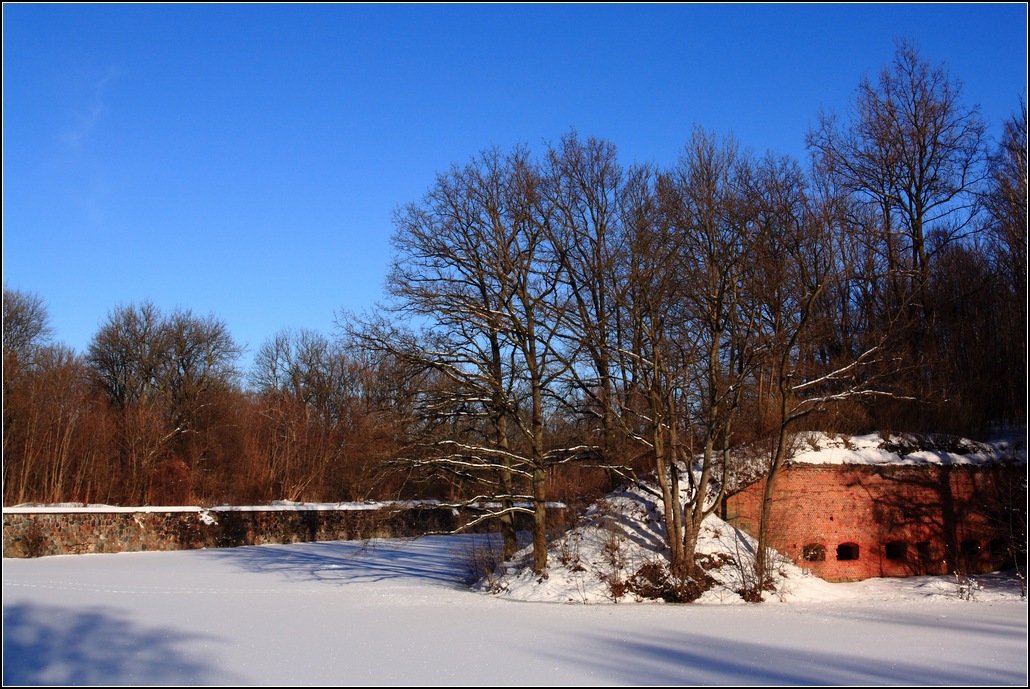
556	323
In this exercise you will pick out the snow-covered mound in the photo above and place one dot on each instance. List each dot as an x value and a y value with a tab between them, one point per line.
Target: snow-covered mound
600	558
618	537
596	560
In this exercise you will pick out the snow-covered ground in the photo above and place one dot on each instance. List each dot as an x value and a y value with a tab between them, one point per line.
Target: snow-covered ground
400	612
396	613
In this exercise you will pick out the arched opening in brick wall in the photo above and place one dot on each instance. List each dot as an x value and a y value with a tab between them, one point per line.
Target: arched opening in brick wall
896	550
814	552
847	551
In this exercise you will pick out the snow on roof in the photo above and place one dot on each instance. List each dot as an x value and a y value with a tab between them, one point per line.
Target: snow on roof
905	449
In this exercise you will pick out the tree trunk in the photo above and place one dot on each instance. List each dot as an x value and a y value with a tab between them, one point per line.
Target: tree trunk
539	521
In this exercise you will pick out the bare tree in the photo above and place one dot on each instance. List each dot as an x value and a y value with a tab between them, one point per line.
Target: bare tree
1005	199
283	436
26	329
450	269
51	438
800	265
585	185
911	150
314	399
201	356
656	348
690	339
26	324
157	373
127	354
794	268
475	266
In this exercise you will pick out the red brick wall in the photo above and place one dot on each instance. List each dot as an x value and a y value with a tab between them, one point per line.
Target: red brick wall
904	520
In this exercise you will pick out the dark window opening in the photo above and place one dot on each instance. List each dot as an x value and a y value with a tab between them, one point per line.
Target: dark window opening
1001	552
814	552
970	548
847	551
923	549
896	550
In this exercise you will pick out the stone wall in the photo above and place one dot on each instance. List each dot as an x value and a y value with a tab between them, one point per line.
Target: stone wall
64	531
851	522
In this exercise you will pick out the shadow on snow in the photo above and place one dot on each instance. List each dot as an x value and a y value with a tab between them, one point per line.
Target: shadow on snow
439	559
690	658
51	645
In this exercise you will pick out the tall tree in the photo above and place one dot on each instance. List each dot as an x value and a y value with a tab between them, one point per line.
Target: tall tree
157	374
201	358
794	265
703	202
802	268
317	398
914	152
585	185
26	324
127	353
655	353
296	378
474	265
26	331
1005	200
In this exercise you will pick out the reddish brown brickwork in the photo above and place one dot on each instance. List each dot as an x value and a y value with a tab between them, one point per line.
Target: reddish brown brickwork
851	522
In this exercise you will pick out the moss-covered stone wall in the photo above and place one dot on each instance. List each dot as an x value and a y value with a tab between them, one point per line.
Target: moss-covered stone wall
48	532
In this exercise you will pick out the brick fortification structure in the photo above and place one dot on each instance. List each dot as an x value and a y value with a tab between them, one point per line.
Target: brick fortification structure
847	522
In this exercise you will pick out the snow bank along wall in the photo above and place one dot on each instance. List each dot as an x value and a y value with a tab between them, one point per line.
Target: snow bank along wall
34	532
851	522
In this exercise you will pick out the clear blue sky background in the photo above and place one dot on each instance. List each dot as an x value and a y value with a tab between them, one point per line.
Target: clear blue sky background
245	160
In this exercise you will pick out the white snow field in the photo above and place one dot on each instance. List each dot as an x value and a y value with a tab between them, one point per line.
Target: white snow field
397	613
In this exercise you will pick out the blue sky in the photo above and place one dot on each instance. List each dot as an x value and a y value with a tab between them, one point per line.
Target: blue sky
245	160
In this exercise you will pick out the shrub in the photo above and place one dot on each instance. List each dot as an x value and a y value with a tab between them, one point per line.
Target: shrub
653	581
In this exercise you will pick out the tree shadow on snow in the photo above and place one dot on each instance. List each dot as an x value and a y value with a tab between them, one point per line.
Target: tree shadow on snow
689	658
441	559
51	645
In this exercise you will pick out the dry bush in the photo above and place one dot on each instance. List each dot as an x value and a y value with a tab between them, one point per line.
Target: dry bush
483	560
578	486
169	483
51	430
612	548
654	581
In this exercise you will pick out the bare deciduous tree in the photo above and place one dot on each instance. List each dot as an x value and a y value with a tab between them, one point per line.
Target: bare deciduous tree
800	265
315	397
476	267
26	323
585	185
1006	203
915	153
201	356
709	204
127	353
156	372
